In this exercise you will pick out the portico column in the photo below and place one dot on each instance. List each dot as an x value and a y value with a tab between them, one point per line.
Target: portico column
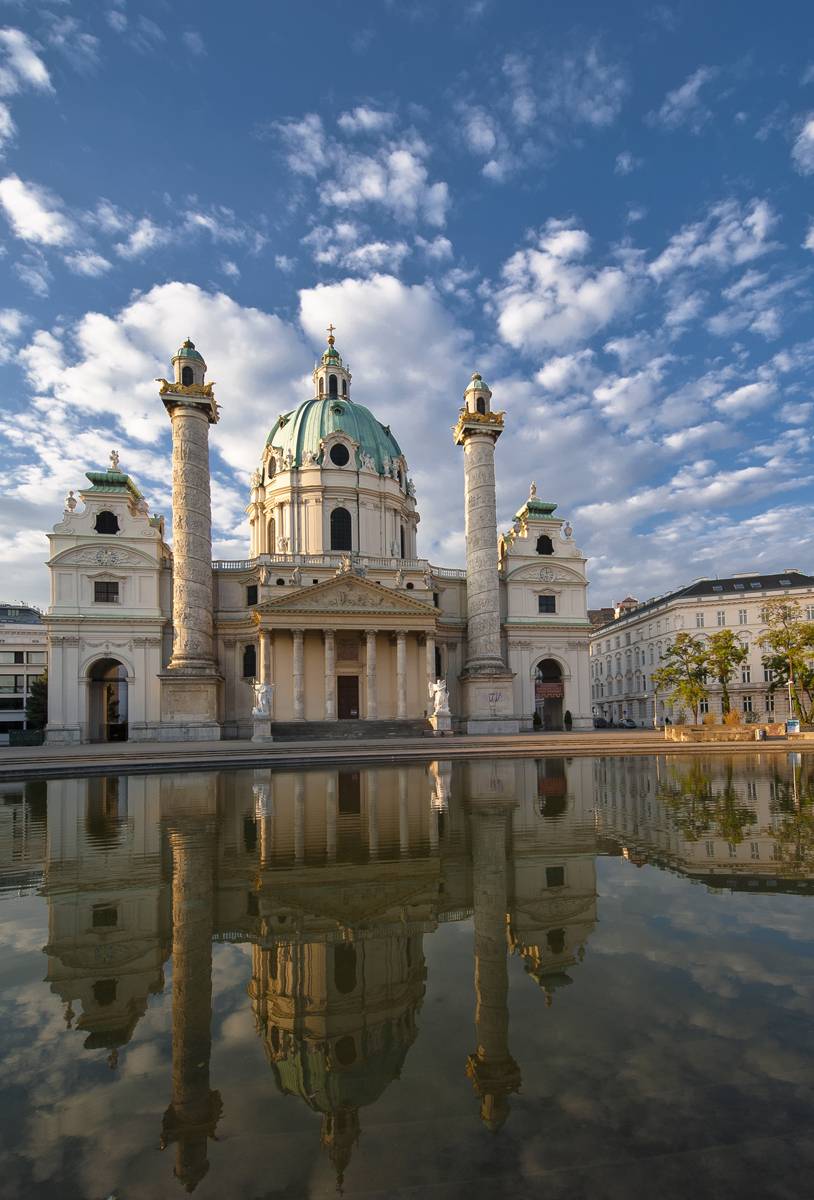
299	675
264	666
330	675
401	675
370	666
430	649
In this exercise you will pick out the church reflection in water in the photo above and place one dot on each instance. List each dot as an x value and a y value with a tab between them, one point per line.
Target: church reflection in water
335	877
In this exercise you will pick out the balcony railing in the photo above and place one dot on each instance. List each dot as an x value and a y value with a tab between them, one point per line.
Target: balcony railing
333	561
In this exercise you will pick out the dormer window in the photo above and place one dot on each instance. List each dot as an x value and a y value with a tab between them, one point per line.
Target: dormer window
332	386
106	522
187	377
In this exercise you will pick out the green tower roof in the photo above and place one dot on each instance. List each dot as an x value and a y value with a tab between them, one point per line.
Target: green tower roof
188	351
305	427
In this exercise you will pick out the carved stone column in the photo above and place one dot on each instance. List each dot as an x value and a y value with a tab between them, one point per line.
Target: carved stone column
401	675
299	675
370	668
430	660
330	674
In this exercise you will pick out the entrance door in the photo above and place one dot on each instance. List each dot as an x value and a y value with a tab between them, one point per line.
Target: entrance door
347	697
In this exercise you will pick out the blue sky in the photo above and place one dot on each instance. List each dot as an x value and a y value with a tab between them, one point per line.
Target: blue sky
607	210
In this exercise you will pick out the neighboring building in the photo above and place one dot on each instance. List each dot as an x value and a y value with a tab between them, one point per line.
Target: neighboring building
626	651
332	606
23	658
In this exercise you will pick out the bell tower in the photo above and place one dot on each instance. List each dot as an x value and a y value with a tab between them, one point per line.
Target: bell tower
331	376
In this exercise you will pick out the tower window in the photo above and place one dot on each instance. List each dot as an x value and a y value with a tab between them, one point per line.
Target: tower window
106	522
105	592
547	604
187	377
332	388
321	389
341	529
251	594
344	387
340	455
545	544
481	405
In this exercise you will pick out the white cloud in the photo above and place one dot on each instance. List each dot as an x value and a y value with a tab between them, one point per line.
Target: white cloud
626	162
87	262
584	88
437	250
193	40
549	300
802	152
7	127
32	270
80	48
12	323
116	20
684	105
20	65
808	244
34	214
144	237
365	120
518	72
747	399
705	434
230	268
729	235
284	263
564	372
394	175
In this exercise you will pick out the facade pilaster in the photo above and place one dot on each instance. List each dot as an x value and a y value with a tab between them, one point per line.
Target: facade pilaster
330	674
401	675
299	674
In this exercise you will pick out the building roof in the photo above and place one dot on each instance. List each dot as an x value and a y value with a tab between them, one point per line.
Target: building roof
19	614
747	584
112	481
305	427
187	350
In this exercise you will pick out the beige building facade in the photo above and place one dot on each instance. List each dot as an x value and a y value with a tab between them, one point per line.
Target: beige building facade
333	622
626	651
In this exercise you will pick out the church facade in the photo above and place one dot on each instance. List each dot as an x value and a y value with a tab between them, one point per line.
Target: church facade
332	623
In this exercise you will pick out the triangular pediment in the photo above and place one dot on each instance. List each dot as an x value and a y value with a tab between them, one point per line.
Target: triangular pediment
350	594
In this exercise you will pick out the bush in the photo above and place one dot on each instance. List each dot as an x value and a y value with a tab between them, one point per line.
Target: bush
733	717
751	718
709	719
568	720
536	719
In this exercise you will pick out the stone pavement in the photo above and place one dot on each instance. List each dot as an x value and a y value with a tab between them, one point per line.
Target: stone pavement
26	762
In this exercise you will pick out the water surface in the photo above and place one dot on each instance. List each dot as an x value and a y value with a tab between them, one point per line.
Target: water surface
555	977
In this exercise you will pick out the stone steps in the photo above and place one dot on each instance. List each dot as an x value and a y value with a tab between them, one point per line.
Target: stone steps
312	731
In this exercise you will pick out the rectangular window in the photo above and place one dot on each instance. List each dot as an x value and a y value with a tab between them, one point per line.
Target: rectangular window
10	702
11	683
733	850
699	620
746	673
754	848
721	616
546	604
436	599
710	849
742	616
747	704
105	916
251	594
105	592
810	612
703	707
770	704
768	675
554	877
36	656
9	658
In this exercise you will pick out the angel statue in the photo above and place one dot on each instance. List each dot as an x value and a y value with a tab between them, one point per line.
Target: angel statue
263	696
440	697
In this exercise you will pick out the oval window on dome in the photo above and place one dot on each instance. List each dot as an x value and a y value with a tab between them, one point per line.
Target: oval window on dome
339	455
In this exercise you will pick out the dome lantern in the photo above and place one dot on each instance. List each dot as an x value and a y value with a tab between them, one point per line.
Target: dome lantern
188	365
331	376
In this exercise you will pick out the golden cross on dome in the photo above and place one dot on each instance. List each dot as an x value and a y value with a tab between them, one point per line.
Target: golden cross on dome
331	338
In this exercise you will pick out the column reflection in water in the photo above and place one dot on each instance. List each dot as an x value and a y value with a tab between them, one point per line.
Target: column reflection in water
490	788
189	804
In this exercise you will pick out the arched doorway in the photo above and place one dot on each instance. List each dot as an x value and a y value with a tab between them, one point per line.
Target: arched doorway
107	701
548	693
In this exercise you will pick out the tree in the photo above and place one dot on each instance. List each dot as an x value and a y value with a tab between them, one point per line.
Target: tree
36	710
683	672
723	654
789	645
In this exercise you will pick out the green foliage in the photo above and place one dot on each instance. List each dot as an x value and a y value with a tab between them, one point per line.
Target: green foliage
723	654
789	650
682	674
699	806
36	712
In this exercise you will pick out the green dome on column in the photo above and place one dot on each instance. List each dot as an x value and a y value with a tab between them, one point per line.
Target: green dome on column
305	427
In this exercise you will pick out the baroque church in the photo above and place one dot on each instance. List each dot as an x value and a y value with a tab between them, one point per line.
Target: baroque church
332	624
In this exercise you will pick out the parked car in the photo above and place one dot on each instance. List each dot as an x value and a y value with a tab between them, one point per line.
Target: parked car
601	723
628	723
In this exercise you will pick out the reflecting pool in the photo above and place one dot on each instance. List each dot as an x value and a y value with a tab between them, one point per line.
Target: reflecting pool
554	977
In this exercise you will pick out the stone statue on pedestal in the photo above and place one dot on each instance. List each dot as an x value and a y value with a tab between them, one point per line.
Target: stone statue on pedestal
440	697
263	697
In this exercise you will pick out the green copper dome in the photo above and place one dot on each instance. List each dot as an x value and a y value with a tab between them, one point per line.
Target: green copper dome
188	351
305	427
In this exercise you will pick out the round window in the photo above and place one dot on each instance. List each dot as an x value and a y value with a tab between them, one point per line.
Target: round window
339	455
